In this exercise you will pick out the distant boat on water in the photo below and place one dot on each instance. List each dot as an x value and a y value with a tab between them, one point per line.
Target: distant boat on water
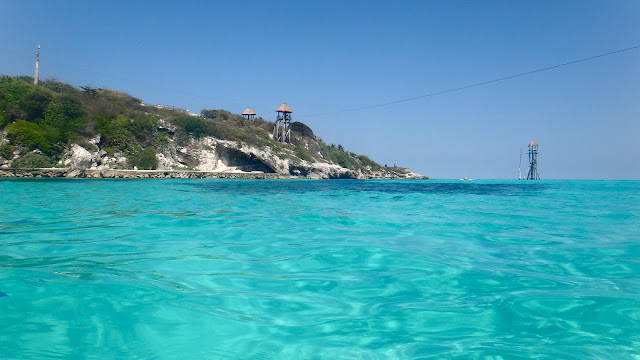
520	166
466	179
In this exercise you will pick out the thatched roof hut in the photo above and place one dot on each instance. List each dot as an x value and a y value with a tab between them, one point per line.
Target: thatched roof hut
248	111
284	108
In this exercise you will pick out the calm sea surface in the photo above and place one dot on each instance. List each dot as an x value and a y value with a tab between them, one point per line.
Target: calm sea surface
228	269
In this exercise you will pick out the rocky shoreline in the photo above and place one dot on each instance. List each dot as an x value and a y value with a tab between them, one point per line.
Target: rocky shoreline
206	158
132	174
70	173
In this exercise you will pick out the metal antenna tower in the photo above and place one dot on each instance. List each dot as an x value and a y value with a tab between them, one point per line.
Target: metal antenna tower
35	78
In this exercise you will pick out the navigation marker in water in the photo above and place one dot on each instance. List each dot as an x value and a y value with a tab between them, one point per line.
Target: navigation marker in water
532	174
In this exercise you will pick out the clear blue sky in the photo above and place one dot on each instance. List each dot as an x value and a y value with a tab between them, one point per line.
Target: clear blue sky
330	56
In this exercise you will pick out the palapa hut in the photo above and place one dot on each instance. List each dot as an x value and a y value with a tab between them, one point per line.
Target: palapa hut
248	114
284	108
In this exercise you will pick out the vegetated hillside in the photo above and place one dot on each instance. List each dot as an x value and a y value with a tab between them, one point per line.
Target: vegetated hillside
54	124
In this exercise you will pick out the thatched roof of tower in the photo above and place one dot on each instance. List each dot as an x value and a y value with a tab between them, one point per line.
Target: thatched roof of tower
284	108
533	143
248	111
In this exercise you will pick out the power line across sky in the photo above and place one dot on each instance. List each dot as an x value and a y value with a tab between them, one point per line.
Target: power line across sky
442	92
413	98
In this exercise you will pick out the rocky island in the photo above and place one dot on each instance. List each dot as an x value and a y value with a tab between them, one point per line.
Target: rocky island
58	130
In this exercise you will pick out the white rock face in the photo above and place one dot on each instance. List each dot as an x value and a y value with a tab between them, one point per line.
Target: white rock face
4	163
166	162
215	155
3	137
96	140
111	162
80	157
208	160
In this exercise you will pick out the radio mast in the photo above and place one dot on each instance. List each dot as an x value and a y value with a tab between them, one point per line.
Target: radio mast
35	78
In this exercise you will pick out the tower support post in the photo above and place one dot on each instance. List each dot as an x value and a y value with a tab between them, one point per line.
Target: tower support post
35	77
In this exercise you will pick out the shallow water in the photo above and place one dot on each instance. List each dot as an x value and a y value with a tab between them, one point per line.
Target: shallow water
165	269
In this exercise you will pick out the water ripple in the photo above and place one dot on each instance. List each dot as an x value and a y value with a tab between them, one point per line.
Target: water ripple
319	269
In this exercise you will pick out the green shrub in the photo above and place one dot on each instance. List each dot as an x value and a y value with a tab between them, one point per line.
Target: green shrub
66	114
21	100
366	161
302	153
143	128
58	87
219	131
195	126
145	159
33	160
29	134
118	97
35	103
6	151
116	135
302	129
160	139
343	160
238	134
25	78
209	114
13	90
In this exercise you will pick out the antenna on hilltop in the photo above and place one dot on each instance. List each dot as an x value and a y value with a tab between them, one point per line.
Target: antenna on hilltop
35	78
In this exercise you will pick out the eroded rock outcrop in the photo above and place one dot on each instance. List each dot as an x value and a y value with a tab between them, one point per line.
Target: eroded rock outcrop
209	154
80	158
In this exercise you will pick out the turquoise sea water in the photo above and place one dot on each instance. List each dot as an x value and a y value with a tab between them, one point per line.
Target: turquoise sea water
221	269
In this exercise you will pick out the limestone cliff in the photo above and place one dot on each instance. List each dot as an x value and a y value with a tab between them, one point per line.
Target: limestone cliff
210	154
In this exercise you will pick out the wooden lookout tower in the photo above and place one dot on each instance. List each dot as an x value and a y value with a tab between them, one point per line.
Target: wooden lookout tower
281	131
532	174
248	114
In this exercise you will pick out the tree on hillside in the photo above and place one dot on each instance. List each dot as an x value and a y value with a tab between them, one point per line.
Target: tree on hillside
29	134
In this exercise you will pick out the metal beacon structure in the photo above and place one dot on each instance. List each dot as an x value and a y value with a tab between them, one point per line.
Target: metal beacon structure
532	173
